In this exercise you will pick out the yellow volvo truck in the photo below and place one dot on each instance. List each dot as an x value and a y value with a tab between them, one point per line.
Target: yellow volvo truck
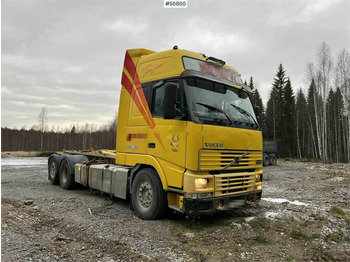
188	139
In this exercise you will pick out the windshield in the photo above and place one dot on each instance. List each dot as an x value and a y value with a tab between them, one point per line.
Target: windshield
219	104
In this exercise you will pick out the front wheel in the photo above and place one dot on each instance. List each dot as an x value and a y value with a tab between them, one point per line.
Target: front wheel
147	195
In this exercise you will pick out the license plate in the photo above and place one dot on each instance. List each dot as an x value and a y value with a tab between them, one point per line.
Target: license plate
236	203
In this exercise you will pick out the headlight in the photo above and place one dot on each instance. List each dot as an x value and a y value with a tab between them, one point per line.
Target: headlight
258	178
200	183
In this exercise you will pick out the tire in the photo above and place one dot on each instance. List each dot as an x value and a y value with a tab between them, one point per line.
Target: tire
266	160
53	171
66	176
147	195
273	159
53	168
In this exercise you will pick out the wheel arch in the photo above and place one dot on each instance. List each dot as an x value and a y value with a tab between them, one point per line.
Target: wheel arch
152	163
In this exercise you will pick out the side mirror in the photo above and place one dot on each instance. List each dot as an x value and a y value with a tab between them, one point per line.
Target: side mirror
170	100
257	111
242	94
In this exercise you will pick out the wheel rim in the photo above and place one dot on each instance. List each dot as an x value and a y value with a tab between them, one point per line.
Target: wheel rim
52	169
144	195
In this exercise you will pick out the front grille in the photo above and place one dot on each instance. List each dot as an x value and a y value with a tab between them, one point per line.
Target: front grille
235	183
210	160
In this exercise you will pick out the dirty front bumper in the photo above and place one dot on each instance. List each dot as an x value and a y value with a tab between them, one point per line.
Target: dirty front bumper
200	206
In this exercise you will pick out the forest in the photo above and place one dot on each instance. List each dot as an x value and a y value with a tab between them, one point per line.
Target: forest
76	137
312	124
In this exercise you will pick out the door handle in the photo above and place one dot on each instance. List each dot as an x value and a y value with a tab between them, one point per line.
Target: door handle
151	145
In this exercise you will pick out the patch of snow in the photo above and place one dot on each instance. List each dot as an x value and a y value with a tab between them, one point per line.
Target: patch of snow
283	200
24	161
247	219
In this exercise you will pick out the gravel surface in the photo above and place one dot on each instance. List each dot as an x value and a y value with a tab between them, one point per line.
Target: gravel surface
304	216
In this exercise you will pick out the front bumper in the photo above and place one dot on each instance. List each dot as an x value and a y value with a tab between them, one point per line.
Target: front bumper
194	207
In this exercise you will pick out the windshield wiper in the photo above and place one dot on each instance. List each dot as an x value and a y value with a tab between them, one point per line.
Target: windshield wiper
213	108
244	112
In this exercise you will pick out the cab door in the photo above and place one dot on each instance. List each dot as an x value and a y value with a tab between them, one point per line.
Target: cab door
167	140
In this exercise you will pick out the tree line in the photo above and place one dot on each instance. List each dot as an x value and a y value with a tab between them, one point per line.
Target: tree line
76	137
315	125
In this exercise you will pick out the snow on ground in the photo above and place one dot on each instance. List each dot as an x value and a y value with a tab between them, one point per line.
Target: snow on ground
23	161
283	200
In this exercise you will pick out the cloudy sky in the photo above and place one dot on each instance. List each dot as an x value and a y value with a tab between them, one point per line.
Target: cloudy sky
67	56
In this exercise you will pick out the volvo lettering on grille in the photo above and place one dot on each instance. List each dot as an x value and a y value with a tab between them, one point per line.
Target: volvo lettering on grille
220	145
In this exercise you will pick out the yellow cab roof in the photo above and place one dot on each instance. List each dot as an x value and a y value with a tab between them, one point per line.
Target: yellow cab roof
165	64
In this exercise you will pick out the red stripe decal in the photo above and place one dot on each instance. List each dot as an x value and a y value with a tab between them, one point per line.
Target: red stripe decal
129	64
129	87
136	92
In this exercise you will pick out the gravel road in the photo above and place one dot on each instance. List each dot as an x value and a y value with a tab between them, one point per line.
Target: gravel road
304	216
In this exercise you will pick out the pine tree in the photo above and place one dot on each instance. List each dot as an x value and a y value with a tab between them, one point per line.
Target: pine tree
302	125
274	109
331	123
288	121
270	118
342	133
335	123
257	102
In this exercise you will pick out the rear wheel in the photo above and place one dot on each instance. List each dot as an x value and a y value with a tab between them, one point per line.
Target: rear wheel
266	160
66	176
273	159
147	195
53	171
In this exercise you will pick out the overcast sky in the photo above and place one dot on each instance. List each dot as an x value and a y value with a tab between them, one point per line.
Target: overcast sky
68	55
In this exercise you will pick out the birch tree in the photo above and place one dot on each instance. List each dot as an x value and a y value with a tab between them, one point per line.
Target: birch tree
320	77
313	102
42	119
324	67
